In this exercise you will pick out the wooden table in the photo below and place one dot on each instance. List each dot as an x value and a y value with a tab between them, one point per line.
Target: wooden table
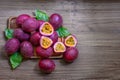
96	23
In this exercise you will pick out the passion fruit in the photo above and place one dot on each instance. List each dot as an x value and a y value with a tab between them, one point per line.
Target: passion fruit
45	42
12	45
56	20
35	38
46	65
71	54
21	18
26	49
46	29
54	37
30	25
44	53
70	41
19	34
59	47
40	22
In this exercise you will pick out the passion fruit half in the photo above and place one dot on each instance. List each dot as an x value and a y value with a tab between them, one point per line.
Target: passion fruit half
46	29
45	42
70	41
59	47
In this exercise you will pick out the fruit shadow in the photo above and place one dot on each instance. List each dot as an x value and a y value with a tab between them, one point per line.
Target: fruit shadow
62	61
3	54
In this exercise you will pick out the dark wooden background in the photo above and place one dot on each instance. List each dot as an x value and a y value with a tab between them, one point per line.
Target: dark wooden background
96	23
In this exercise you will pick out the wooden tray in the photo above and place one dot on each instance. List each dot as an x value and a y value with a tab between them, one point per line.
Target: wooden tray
11	24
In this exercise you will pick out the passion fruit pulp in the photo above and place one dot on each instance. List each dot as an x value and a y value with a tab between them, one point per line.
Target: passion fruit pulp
45	42
46	29
59	47
70	41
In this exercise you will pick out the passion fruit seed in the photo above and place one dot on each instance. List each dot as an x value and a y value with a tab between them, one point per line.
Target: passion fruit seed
45	42
70	41
59	47
46	29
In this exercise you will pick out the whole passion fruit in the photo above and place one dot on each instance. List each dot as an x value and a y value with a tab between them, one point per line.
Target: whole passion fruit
71	54
56	20
54	37
12	45
21	18
35	38
30	25
70	41
46	65
45	42
44	53
19	34
26	49
40	22
59	47
46	29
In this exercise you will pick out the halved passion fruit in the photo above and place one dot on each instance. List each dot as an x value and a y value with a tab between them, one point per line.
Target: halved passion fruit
46	29
45	42
70	41
59	47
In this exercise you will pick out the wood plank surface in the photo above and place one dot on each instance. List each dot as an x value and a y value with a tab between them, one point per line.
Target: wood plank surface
96	23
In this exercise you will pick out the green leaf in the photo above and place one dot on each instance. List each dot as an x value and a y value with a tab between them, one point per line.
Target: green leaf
63	32
8	33
15	60
41	15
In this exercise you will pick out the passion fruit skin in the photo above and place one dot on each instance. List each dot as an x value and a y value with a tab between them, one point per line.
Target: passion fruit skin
56	20
35	38
25	37
46	65
44	53
12	45
71	54
30	25
54	37
19	34
40	22
26	49
21	18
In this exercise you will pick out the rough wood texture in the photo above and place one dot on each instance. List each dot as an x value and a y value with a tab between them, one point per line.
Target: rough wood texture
96	23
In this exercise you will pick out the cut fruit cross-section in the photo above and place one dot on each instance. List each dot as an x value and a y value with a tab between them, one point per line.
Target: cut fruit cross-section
45	42
70	41
46	29
59	47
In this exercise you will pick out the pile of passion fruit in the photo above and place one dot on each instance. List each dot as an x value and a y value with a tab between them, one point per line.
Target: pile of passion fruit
40	36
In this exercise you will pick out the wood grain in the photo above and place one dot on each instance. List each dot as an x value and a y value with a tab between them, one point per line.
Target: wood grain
96	23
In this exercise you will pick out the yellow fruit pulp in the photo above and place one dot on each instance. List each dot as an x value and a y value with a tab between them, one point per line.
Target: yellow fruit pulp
59	48
46	42
70	41
47	29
